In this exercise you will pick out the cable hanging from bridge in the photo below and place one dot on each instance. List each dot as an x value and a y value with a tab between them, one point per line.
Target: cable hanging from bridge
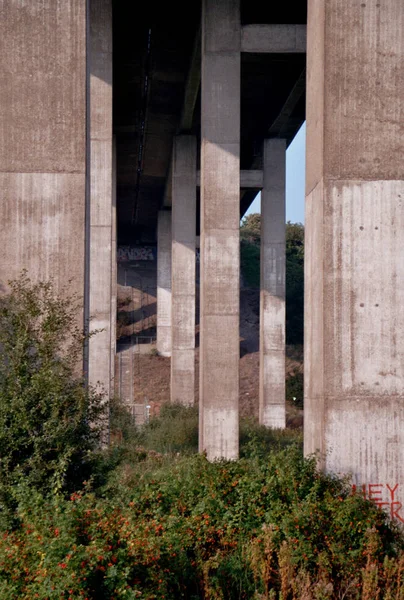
142	129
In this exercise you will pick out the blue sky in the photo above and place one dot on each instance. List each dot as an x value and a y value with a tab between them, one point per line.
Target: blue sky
295	180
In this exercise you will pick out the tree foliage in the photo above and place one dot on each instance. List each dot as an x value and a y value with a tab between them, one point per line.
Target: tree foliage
250	233
49	421
250	229
294	283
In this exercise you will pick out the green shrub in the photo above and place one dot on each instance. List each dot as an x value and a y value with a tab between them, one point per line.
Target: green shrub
174	430
49	422
250	233
250	263
252	529
295	388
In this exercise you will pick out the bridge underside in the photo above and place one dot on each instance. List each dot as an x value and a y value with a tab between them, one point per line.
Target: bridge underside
157	95
108	105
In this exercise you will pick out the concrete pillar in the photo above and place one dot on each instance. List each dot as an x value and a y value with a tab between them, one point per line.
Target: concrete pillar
164	283
100	193
354	255
220	223
183	270
43	142
114	269
272	295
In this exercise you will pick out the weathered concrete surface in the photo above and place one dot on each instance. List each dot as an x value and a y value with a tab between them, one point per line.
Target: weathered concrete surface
354	303
114	269
251	179
272	409
42	141
100	193
100	156
220	199
164	283
273	38
183	270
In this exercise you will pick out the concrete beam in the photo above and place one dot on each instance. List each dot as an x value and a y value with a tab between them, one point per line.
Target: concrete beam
280	125
164	283
192	86
273	38
354	251
220	224
183	270
272	411
100	210
251	179
188	108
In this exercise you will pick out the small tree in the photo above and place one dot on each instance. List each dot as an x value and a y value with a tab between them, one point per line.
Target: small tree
50	422
250	228
294	282
250	233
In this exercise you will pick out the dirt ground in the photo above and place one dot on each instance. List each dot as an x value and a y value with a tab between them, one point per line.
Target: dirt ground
152	382
151	373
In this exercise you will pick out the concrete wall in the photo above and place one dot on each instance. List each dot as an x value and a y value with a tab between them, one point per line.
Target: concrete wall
354	312
43	141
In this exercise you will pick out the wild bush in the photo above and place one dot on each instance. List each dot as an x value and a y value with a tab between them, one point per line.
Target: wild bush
50	422
267	526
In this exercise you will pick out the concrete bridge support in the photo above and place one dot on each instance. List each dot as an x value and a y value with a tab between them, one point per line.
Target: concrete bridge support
100	236
183	270
354	303
56	156
272	296
114	269
220	218
43	142
164	242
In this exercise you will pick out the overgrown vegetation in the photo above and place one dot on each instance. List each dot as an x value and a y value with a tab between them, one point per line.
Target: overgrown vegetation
172	525
164	523
50	422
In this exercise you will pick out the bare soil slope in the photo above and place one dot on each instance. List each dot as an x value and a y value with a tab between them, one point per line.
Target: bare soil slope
151	373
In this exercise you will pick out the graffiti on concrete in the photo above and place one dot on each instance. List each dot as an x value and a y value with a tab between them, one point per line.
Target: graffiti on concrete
126	253
384	496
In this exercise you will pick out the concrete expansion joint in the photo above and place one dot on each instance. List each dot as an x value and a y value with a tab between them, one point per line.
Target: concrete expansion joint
227	313
230	53
36	172
185	295
376	400
94	52
212	232
356	181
